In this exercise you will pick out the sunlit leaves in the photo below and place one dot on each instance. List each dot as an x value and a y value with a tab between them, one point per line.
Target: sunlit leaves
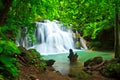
89	16
8	48
80	13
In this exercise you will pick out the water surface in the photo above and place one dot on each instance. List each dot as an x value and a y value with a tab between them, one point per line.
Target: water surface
62	63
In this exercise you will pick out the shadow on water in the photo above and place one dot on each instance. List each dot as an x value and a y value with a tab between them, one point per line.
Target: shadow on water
63	65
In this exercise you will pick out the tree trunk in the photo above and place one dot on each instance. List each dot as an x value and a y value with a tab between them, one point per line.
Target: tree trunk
117	32
4	11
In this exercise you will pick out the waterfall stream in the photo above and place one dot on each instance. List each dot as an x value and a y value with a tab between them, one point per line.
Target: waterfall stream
52	38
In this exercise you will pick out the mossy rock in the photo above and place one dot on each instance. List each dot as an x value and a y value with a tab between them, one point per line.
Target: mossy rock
78	45
112	70
23	51
93	61
33	56
30	56
50	62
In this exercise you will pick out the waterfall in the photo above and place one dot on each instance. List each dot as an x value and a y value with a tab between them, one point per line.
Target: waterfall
52	38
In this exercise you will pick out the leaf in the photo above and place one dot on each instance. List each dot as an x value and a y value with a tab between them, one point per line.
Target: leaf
11	48
1	49
6	61
8	64
14	3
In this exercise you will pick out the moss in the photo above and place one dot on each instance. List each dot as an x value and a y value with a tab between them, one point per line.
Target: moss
112	70
30	56
33	56
93	61
80	74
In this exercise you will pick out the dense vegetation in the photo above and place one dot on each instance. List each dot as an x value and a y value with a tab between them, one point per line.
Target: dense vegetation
8	61
89	17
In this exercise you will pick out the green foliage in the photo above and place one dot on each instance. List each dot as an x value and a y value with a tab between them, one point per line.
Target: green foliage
24	13
112	70
43	65
8	32
94	45
8	51
8	48
33	56
80	74
87	16
1	77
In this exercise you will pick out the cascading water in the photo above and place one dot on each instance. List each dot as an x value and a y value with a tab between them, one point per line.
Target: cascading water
51	38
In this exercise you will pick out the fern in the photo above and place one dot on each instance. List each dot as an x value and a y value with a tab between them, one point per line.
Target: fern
8	50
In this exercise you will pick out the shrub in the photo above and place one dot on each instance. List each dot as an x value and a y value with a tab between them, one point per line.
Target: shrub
8	51
43	65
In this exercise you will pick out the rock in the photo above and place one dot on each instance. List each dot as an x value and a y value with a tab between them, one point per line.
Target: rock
112	69
33	77
33	55
29	56
72	57
71	54
22	50
75	57
93	61
22	56
50	62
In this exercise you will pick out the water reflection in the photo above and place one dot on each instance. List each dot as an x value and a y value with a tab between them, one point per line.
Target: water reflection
62	67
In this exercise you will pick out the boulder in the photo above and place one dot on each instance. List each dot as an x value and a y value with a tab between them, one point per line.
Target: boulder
94	61
50	62
30	56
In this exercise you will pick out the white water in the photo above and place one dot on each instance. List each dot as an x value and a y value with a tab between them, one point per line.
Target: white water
52	38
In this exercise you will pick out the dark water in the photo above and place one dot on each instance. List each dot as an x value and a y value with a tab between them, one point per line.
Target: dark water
62	62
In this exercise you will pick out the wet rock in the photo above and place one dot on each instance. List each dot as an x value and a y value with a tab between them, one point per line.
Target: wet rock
72	57
50	62
94	61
